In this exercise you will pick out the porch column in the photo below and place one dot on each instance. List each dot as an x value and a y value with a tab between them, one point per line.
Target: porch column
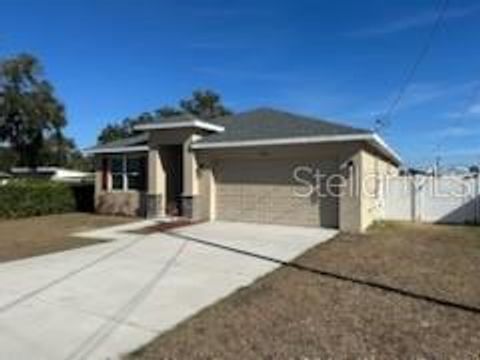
210	193
155	199
350	202
190	200
103	178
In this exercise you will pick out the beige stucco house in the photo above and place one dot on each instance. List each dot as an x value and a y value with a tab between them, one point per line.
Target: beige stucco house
263	166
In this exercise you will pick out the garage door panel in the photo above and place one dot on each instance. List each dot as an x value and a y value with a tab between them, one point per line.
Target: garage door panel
266	192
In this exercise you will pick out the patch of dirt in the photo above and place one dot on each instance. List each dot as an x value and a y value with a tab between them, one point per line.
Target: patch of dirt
33	236
296	313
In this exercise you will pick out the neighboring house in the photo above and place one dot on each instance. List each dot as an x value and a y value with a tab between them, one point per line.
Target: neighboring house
4	177
244	167
51	173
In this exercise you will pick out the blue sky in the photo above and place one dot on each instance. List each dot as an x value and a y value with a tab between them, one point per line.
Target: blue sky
342	60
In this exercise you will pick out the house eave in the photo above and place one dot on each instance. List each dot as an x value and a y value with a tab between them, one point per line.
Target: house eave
117	150
199	124
373	139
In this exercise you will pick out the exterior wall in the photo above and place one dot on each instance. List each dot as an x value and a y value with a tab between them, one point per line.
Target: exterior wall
155	200
191	202
126	203
363	203
152	203
375	171
205	200
256	175
120	203
168	137
350	203
207	196
190	168
257	184
370	190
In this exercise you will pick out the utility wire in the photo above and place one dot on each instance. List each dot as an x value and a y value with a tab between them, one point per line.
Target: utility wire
385	119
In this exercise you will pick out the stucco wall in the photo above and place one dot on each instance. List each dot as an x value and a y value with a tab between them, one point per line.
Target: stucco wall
375	172
363	204
120	203
357	207
207	194
350	206
130	203
257	184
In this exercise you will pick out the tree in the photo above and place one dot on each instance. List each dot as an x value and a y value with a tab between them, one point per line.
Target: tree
62	151
206	104
124	129
29	110
167	111
8	158
112	132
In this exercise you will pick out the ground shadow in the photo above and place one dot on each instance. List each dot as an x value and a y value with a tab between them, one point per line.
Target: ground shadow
467	213
332	275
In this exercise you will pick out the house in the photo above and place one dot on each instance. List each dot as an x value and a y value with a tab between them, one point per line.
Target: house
259	166
51	173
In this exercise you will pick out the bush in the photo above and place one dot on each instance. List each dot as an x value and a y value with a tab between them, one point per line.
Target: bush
22	198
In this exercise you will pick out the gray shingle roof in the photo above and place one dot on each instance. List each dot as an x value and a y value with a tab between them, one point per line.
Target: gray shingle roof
130	141
263	124
259	124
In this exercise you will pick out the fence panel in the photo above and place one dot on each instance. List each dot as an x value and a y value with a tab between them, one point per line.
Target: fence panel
448	200
452	199
398	201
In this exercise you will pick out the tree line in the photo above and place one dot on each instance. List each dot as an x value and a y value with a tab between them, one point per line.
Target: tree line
206	104
33	119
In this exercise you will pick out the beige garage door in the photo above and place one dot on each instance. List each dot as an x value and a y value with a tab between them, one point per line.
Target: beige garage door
267	192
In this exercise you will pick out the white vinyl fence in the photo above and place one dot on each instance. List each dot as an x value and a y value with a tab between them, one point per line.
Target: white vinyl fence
447	199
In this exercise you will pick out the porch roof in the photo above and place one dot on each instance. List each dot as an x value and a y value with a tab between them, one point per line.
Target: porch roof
131	144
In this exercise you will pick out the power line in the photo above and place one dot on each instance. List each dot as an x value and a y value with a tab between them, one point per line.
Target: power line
385	119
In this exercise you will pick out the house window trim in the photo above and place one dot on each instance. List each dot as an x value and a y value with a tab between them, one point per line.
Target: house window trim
105	181
124	173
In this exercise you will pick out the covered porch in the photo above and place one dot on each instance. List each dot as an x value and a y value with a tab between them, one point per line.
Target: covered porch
156	177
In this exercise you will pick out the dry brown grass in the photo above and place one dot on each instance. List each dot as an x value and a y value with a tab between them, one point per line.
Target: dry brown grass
294	313
45	234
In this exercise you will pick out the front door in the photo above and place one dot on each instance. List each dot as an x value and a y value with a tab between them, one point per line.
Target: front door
172	158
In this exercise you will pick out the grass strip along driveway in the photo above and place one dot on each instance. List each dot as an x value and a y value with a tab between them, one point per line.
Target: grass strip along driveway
33	236
295	313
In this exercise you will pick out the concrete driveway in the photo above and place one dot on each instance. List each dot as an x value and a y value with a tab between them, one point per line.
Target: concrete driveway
106	300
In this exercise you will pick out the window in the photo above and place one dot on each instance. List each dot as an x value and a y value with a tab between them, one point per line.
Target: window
136	173
117	168
128	172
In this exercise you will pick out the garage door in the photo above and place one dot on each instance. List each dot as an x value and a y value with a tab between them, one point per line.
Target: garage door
267	192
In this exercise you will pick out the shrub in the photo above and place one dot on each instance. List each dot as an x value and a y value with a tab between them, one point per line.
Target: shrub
22	198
